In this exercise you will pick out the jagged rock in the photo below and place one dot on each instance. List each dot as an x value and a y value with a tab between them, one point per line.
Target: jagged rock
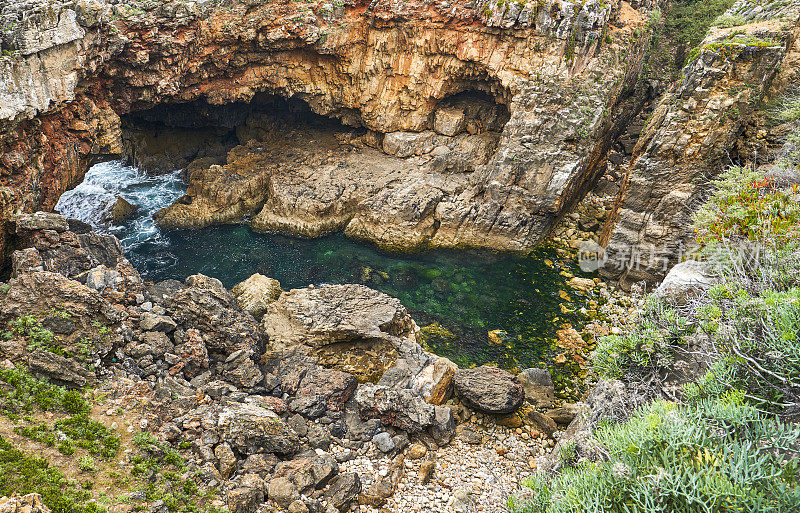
192	354
25	261
685	281
240	369
252	429
308	474
260	464
319	437
329	387
256	292
243	499
122	210
538	387
159	343
30	503
226	460
343	491
564	414
60	369
206	305
489	389
403	408
283	491
425	473
443	428
152	322
385	486
101	278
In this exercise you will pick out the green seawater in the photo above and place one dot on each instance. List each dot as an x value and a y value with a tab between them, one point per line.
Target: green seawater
466	293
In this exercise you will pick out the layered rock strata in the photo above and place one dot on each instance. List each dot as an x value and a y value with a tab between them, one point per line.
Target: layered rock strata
395	69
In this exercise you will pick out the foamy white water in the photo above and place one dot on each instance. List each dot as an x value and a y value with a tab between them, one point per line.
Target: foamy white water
91	201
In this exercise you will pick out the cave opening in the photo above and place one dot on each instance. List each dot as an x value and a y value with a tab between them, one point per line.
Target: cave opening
212	162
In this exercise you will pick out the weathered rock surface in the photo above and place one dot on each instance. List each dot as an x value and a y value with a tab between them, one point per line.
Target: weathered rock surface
30	503
489	389
256	292
538	387
252	429
502	186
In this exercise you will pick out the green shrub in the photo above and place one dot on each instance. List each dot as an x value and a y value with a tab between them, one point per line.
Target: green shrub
23	473
716	456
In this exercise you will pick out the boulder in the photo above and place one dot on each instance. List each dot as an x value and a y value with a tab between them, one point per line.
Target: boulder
159	343
256	292
122	210
308	474
206	305
283	491
538	387
489	389
541	422
41	221
335	313
243	499
685	281
344	490
240	369
252	429
444	427
330	387
401	408
449	120
153	322
406	144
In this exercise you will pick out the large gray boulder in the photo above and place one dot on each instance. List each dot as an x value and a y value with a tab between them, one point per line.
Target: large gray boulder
252	429
685	281
489	389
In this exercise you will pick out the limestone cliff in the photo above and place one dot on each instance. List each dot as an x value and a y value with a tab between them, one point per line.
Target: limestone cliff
556	68
697	130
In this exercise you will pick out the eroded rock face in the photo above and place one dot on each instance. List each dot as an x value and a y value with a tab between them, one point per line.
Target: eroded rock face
688	142
543	66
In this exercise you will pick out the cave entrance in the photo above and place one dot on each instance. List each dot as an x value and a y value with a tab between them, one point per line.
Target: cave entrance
168	137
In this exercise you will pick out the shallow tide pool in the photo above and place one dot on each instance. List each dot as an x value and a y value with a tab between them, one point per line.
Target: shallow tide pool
457	297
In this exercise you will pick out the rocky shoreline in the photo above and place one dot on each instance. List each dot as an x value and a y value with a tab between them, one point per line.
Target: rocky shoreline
313	399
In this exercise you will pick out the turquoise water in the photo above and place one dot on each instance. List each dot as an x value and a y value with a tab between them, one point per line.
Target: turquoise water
466	293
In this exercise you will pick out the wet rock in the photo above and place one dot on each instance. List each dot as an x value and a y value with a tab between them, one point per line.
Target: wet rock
538	387
343	491
403	409
122	210
256	292
489	389
252	429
